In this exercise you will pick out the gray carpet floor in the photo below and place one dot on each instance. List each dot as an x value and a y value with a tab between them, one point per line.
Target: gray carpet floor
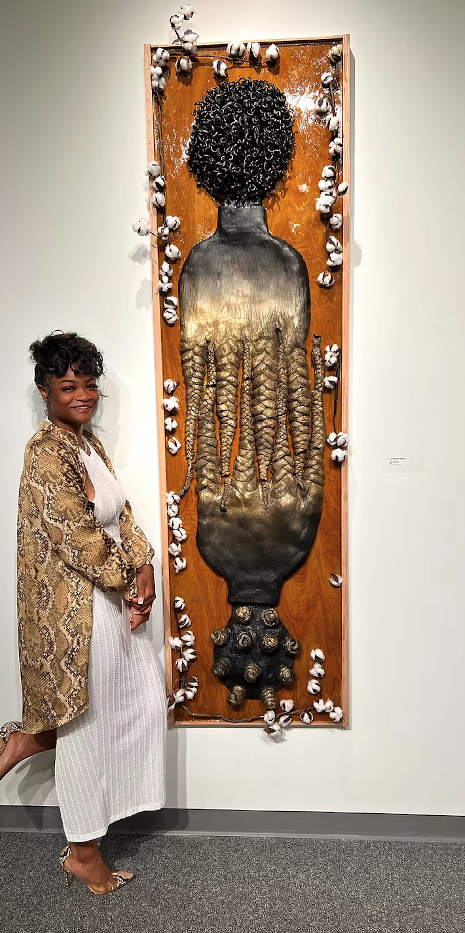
219	884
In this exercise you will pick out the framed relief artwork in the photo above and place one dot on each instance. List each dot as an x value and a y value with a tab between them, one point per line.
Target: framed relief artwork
248	165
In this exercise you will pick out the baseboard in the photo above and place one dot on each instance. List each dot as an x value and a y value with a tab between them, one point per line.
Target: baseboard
397	826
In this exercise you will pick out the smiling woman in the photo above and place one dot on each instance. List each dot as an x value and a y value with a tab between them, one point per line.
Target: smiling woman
90	678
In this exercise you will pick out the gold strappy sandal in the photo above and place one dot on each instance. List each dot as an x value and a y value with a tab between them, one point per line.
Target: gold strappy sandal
121	877
5	731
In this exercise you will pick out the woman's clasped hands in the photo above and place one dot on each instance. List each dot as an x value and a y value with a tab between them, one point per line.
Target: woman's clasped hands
141	604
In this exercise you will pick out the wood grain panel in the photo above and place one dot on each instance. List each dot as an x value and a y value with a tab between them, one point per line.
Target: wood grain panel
311	609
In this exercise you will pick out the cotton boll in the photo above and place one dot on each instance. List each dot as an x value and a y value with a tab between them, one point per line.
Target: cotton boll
287	705
328	172
333	123
325	279
331	441
335	221
330	382
172	510
188	639
319	706
189	37
342	439
178	602
170	317
169	386
335	147
174	643
313	687
164	285
153	169
173	446
306	717
175	523
336	714
179	533
156	71
338	455
158	198
324	203
220	67
170	303
189	654
343	188
334	260
181	664
174	549
335	579
272	53
170	425
317	670
327	79
330	358
184	620
187	10
183	65
285	720
171	404
173	223
269	716
322	106
236	49
176	20
163	233
253	49
159	183
335	53
190	694
326	184
172	252
166	269
161	56
318	655
142	226
333	245
329	706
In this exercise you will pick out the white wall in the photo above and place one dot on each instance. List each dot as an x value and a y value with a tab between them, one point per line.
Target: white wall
74	149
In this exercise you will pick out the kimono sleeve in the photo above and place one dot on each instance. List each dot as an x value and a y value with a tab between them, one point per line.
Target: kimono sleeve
134	542
77	537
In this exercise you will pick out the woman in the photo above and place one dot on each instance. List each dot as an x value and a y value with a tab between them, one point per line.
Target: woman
85	587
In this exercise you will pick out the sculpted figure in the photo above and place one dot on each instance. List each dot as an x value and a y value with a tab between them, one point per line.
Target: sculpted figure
245	317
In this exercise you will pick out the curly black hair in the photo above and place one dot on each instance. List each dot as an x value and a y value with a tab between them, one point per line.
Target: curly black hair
58	352
241	141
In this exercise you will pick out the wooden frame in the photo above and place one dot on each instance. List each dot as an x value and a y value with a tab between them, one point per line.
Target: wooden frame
151	154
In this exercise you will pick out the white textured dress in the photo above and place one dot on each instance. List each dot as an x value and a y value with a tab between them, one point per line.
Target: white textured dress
110	760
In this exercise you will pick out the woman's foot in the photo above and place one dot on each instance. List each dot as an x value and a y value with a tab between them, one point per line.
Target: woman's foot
21	746
86	862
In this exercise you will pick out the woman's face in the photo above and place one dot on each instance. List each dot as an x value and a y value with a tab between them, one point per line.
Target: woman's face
71	399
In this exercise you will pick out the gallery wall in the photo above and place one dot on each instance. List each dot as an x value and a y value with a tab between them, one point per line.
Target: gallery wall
73	153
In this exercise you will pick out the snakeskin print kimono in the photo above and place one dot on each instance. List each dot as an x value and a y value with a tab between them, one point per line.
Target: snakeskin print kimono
63	552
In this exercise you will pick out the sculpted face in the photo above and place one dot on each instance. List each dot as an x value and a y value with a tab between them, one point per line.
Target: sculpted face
71	399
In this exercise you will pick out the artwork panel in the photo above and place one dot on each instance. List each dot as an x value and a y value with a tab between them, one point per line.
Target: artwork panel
309	607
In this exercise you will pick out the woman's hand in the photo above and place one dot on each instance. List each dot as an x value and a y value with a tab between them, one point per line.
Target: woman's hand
142	603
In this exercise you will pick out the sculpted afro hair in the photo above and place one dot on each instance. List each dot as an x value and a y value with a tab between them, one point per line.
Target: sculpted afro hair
241	141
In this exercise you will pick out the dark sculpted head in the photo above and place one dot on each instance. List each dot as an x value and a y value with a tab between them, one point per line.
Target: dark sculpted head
241	141
67	368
